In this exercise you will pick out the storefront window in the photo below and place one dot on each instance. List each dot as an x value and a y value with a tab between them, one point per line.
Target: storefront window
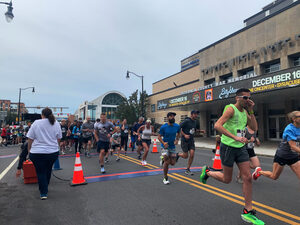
153	108
272	68
110	112
210	81
297	61
226	77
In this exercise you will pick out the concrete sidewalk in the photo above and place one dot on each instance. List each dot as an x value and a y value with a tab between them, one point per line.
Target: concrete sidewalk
267	148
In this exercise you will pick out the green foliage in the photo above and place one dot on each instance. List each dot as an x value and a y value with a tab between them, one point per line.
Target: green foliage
11	118
131	108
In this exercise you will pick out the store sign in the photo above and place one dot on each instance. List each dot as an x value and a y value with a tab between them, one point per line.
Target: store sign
189	62
278	80
254	54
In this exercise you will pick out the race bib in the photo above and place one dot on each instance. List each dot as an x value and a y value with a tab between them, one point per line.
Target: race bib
240	133
125	131
192	131
250	145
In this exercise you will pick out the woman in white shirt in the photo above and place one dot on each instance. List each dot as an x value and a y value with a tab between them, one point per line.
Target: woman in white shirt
43	147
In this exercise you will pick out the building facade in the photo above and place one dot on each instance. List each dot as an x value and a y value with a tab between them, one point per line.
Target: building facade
106	103
264	56
8	106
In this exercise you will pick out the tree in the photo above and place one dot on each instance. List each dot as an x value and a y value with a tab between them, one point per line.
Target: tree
131	108
11	117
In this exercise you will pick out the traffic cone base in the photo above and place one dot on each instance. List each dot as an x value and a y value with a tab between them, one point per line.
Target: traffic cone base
154	147
78	178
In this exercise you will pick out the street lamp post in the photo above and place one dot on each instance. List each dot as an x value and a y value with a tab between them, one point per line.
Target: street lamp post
9	14
142	96
19	106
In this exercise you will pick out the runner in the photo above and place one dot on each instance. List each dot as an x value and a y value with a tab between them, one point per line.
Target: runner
288	150
116	141
124	135
170	132
87	135
20	133
76	135
254	161
138	142
233	148
145	132
70	133
188	128
63	140
4	134
102	134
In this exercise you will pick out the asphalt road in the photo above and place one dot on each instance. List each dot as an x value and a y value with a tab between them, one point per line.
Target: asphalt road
143	199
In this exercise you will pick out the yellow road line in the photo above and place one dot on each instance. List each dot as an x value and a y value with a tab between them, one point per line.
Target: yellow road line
205	188
242	198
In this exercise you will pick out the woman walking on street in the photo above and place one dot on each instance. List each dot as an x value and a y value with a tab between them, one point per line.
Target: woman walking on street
288	150
43	148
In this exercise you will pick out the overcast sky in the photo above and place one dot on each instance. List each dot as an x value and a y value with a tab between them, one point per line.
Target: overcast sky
73	51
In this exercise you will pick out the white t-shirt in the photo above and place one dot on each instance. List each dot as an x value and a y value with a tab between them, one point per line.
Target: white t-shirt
44	136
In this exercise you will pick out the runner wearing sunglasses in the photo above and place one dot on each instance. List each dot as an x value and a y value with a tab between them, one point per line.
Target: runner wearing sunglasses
232	125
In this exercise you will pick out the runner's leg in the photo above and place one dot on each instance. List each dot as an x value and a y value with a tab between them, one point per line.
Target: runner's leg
244	168
296	168
277	169
146	147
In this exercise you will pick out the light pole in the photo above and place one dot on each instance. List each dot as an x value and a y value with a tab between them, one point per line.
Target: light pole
19	107
9	14
142	96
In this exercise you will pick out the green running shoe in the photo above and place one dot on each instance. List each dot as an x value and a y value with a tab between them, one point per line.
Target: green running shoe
204	176
250	217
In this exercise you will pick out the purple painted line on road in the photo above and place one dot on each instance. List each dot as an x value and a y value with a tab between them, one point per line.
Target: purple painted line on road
8	156
91	154
133	174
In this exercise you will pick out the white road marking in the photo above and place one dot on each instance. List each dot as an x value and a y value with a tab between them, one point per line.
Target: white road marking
8	168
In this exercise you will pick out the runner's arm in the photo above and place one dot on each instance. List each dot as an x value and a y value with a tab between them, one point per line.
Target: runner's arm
294	146
29	144
251	120
96	135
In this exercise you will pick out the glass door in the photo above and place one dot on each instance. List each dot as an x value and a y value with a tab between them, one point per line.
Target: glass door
276	125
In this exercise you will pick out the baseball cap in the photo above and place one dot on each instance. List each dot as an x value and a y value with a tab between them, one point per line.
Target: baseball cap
171	114
148	121
195	112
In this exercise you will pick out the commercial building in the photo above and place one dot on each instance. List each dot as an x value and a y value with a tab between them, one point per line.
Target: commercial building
8	106
264	56
106	103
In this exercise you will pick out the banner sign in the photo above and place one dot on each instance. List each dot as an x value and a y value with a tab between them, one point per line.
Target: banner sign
274	81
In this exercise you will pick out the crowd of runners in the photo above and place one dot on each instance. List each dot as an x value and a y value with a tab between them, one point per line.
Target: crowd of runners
237	126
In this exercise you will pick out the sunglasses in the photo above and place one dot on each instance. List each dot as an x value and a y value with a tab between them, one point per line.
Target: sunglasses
245	97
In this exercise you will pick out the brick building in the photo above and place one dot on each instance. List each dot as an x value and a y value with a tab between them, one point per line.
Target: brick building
264	56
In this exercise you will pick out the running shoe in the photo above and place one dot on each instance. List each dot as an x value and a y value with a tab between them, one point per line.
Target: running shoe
239	180
250	217
161	160
189	172
204	176
256	174
118	159
43	197
88	155
166	181
106	160
145	163
177	157
62	152
139	156
102	170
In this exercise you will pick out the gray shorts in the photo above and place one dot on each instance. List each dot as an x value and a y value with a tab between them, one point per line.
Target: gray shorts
187	145
229	155
170	152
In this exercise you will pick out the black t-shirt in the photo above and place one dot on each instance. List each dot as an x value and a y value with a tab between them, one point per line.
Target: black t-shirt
188	127
64	130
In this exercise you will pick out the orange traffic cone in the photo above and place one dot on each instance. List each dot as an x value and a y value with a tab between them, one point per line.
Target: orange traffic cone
154	148
217	161
78	178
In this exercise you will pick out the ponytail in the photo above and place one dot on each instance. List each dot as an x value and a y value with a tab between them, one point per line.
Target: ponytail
49	115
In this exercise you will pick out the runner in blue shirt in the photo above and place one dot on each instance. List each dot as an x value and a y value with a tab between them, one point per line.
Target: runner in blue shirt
288	150
168	136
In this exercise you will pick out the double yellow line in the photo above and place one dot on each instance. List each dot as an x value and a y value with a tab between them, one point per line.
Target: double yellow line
227	195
